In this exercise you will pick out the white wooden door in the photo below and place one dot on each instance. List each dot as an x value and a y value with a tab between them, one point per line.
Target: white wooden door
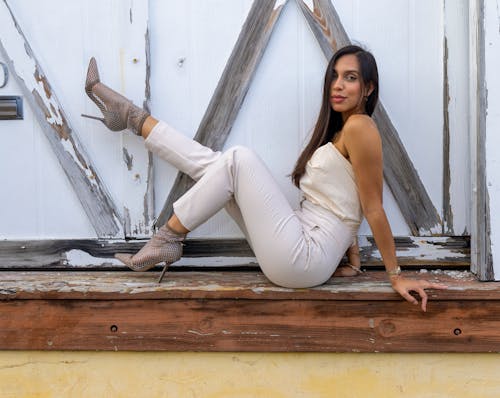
421	49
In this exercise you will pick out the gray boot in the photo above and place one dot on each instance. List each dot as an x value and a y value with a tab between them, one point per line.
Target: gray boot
164	246
119	112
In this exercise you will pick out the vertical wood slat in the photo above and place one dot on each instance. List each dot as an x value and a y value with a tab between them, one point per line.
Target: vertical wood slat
481	252
474	60
447	210
456	203
400	174
137	165
232	87
93	195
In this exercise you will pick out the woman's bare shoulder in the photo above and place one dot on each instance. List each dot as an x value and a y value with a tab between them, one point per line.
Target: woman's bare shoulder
360	127
360	121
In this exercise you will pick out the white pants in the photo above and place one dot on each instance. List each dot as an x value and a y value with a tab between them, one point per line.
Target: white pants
294	248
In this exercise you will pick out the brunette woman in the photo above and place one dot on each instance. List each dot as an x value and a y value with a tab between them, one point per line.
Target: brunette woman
339	173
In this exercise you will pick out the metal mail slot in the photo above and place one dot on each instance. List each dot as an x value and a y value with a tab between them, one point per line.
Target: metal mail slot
11	107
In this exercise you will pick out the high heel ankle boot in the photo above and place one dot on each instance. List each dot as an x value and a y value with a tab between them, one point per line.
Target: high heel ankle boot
164	246
119	112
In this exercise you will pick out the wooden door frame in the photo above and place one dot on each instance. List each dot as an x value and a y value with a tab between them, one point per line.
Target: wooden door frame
481	257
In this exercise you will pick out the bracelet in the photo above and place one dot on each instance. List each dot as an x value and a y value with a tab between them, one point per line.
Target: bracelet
394	272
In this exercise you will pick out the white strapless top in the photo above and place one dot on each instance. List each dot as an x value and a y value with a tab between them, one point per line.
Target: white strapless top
329	182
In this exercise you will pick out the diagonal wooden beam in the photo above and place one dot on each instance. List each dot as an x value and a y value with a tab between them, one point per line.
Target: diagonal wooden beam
232	87
95	199
399	172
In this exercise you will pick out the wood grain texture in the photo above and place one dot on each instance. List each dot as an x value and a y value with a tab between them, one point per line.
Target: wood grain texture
482	261
244	312
232	88
57	254
137	168
457	117
61	254
82	175
250	285
400	174
447	209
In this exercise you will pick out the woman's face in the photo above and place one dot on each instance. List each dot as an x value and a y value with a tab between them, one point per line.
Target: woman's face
346	94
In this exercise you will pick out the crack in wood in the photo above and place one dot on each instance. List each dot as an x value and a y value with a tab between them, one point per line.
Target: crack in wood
447	210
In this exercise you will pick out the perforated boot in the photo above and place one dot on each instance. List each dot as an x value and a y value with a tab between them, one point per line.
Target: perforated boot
119	112
164	246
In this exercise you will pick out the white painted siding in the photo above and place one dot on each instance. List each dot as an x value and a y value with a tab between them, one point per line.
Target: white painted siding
191	41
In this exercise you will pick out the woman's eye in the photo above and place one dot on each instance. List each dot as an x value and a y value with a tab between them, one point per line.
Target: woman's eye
351	78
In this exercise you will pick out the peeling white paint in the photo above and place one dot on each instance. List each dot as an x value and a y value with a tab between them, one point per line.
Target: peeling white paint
436	229
427	249
453	274
69	147
79	258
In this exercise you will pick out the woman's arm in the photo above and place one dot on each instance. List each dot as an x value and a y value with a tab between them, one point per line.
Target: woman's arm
364	146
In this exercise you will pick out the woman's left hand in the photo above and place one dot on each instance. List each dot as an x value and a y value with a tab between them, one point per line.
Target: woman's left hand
404	286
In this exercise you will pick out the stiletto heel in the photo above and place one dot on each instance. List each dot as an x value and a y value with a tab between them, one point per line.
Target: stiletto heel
93	117
163	272
119	112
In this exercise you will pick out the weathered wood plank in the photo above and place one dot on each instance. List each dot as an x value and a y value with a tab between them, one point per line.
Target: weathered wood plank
137	168
99	254
447	210
456	117
90	190
250	285
325	24
232	88
70	254
420	251
243	311
482	262
400	174
249	325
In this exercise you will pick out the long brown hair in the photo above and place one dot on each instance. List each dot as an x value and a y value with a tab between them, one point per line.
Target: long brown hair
330	122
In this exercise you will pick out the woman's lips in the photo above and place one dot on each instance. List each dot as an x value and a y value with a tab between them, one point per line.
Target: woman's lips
337	99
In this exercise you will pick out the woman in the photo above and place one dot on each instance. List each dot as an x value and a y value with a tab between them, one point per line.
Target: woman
339	173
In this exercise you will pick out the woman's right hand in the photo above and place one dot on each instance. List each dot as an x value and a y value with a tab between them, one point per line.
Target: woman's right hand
404	286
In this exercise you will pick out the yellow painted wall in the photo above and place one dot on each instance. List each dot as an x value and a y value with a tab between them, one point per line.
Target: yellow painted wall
235	375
